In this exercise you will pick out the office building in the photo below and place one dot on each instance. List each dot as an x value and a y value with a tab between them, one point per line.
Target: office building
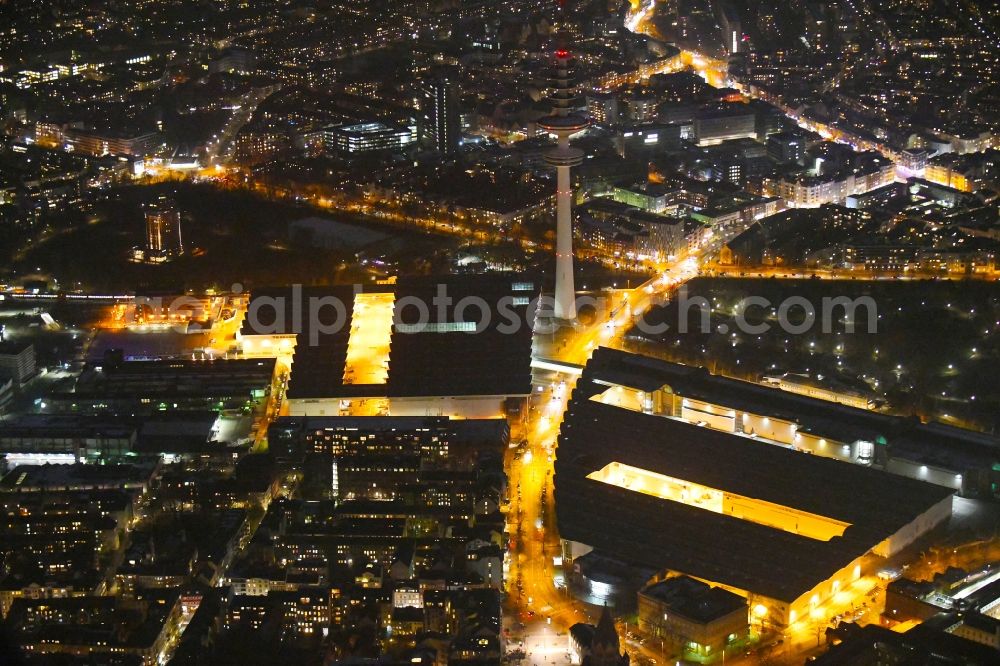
163	231
914	159
100	142
786	147
234	59
724	122
730	26
603	107
693	616
367	138
440	113
40	438
433	437
17	361
641	106
652	137
148	387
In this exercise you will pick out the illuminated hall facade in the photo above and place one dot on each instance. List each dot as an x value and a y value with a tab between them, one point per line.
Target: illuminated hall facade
788	531
401	349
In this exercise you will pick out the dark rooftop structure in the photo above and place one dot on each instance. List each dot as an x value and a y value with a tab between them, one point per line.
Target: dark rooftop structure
35	478
99	625
290	436
178	432
18	433
177	376
694	599
712	545
13	347
931	443
460	350
921	645
145	386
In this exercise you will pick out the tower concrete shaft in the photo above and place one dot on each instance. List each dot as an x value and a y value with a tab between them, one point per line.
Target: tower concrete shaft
565	301
563	123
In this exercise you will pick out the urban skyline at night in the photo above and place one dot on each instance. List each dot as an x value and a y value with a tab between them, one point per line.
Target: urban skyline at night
499	333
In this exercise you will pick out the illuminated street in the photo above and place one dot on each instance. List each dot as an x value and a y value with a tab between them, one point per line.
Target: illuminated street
310	312
539	596
536	583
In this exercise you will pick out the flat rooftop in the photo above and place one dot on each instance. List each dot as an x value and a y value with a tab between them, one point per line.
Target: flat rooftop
13	347
78	426
455	351
778	555
173	378
694	599
463	428
77	476
928	442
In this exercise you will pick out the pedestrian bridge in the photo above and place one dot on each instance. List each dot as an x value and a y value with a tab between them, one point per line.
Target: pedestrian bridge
553	365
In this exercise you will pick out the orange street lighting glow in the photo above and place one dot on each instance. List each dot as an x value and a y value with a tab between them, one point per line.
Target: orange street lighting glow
757	511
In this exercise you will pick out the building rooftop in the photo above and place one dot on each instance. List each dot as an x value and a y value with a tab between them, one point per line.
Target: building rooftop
921	441
76	477
102	622
442	356
921	645
493	430
174	378
694	599
13	347
74	426
865	506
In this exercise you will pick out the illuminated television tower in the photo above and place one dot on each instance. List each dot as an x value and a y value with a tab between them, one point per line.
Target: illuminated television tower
563	123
